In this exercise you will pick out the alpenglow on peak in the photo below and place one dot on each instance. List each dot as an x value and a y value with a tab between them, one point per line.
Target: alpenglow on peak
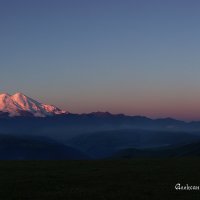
22	105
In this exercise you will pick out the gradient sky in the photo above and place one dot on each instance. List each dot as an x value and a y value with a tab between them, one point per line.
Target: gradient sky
138	57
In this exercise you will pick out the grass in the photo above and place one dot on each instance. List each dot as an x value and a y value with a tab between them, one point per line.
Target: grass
136	179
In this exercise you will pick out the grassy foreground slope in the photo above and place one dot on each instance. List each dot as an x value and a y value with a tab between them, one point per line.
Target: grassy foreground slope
99	180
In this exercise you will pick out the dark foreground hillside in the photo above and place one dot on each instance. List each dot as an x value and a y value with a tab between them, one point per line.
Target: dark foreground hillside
99	180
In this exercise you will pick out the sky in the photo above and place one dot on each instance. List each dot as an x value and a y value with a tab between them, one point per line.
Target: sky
136	57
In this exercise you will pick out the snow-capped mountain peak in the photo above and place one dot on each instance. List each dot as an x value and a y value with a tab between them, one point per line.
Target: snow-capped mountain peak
19	104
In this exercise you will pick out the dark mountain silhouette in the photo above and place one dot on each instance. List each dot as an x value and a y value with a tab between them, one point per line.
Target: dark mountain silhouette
90	123
99	134
36	148
189	150
106	143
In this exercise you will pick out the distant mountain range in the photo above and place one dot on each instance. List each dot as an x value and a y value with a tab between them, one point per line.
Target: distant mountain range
97	135
19	112
20	105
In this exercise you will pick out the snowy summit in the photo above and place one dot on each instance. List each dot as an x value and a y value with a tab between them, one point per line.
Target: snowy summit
20	105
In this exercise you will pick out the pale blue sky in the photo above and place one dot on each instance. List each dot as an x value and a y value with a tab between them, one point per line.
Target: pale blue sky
131	56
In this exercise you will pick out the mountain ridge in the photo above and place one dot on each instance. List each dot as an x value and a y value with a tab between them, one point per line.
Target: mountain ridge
19	104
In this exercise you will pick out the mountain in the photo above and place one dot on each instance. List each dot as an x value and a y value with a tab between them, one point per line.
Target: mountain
23	147
185	150
106	143
22	105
